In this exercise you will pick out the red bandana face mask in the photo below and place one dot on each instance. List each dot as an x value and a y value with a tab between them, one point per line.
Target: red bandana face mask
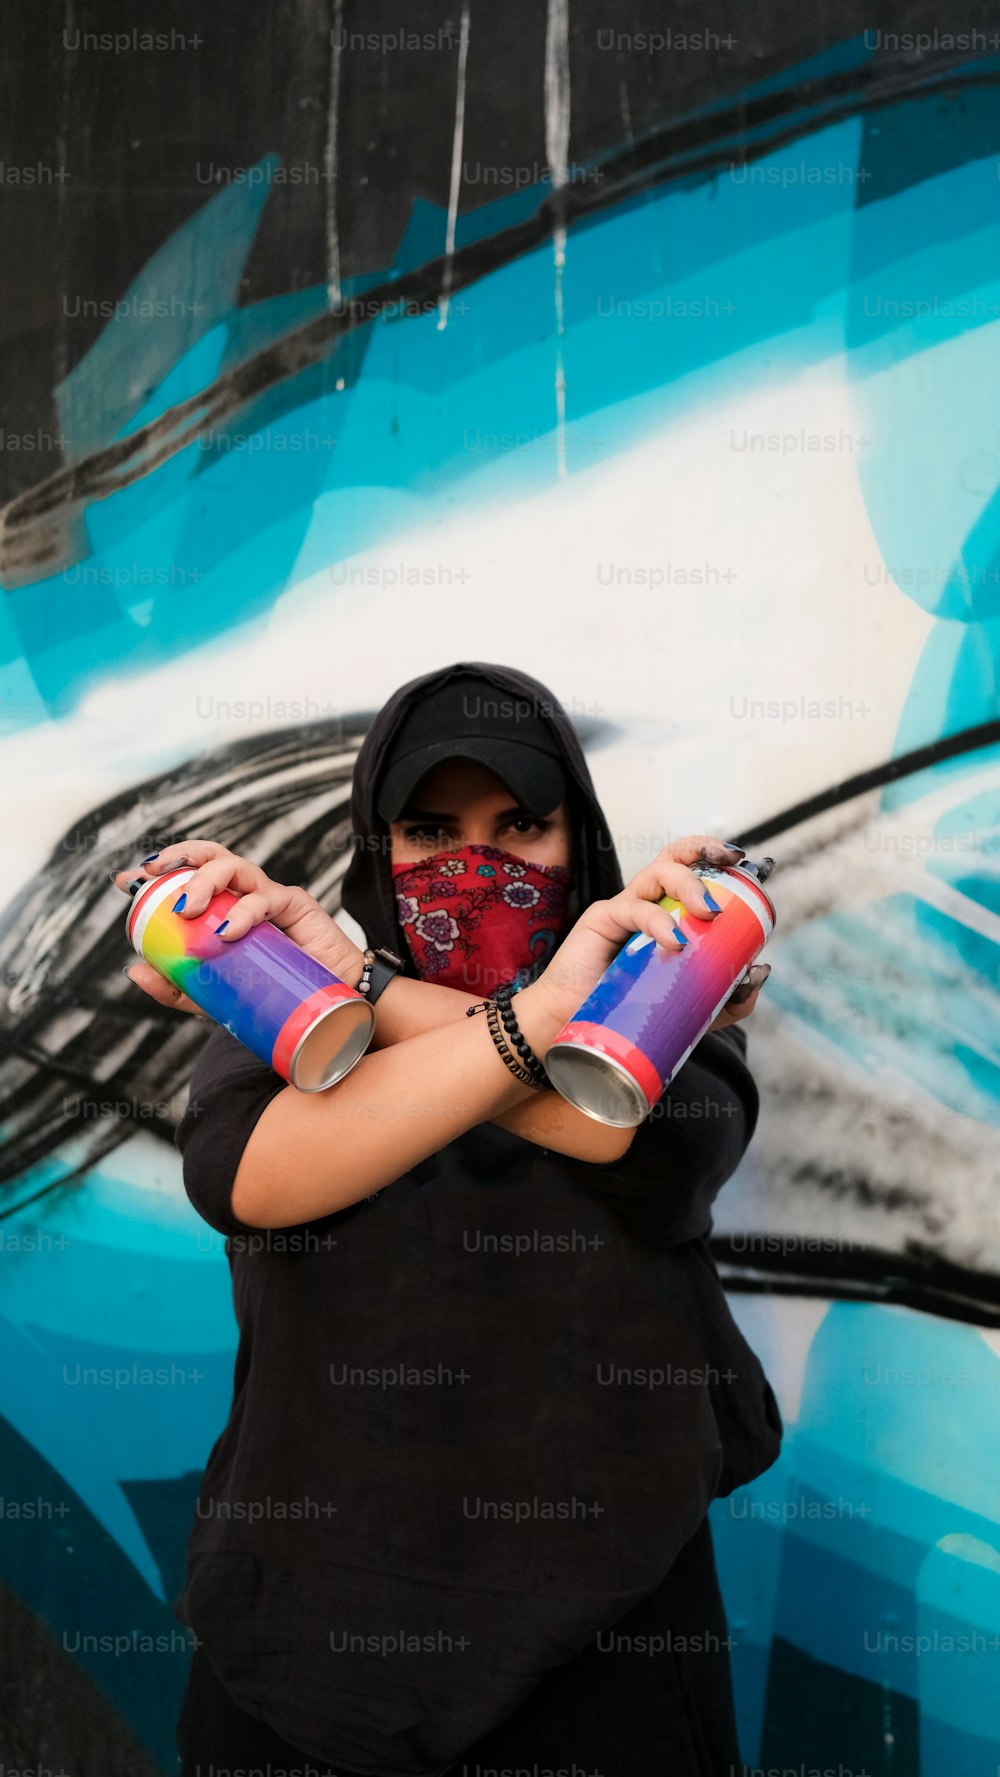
477	917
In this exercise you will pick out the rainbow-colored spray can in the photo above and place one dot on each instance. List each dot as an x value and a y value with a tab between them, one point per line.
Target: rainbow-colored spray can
263	988
619	1052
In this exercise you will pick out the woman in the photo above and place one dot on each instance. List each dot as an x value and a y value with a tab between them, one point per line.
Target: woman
487	1381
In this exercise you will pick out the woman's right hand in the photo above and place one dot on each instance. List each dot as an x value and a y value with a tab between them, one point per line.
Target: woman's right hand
574	970
293	910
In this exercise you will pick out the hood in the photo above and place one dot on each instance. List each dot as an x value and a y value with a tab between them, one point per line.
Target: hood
367	891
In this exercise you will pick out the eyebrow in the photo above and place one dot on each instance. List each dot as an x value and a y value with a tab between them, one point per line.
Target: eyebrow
427	814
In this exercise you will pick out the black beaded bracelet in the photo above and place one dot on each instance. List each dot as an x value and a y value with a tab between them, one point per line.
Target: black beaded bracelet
528	1068
539	1077
493	1020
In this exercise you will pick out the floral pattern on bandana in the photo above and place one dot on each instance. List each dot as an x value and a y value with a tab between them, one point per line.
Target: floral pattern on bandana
479	916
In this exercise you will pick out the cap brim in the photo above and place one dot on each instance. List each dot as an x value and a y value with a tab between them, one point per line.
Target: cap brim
536	779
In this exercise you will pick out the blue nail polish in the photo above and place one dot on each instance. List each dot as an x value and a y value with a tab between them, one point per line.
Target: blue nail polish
679	935
152	855
179	904
710	901
221	928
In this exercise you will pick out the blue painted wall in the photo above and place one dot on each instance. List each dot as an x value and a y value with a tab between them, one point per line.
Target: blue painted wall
725	474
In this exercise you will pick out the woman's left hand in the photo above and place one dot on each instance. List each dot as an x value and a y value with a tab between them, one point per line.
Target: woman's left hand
743	998
692	850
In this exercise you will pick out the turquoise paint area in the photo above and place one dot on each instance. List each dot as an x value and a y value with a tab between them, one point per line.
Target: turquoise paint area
151	1402
923	353
889	1460
907	1396
967	848
747	1534
101	1414
146	1211
957	1640
901	986
180	1305
192	373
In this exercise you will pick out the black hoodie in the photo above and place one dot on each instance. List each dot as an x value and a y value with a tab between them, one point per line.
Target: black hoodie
367	892
475	1417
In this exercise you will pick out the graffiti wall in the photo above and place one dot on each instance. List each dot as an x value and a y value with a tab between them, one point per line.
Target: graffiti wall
656	355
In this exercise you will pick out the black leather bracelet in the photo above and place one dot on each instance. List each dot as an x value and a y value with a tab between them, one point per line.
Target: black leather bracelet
381	967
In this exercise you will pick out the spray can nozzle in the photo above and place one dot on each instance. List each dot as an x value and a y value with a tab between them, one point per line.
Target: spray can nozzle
761	870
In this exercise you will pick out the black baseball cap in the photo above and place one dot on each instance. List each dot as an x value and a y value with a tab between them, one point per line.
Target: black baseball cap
468	718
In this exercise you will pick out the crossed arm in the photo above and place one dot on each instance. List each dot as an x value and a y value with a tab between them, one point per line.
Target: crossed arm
406	1008
414	1053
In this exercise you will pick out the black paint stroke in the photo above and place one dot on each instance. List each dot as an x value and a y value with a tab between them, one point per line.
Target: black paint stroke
950	746
919	1280
75	1034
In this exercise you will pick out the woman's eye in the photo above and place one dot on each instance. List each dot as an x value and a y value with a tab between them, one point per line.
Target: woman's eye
522	821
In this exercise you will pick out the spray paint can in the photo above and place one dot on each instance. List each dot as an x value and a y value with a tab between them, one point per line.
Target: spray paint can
619	1052
263	988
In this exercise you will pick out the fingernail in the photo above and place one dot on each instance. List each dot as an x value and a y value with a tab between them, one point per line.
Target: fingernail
125	969
731	845
710	901
112	875
152	855
221	928
679	935
179	904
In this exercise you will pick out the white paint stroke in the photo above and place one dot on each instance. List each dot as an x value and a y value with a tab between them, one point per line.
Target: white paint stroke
61	352
330	161
456	167
626	112
557	119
